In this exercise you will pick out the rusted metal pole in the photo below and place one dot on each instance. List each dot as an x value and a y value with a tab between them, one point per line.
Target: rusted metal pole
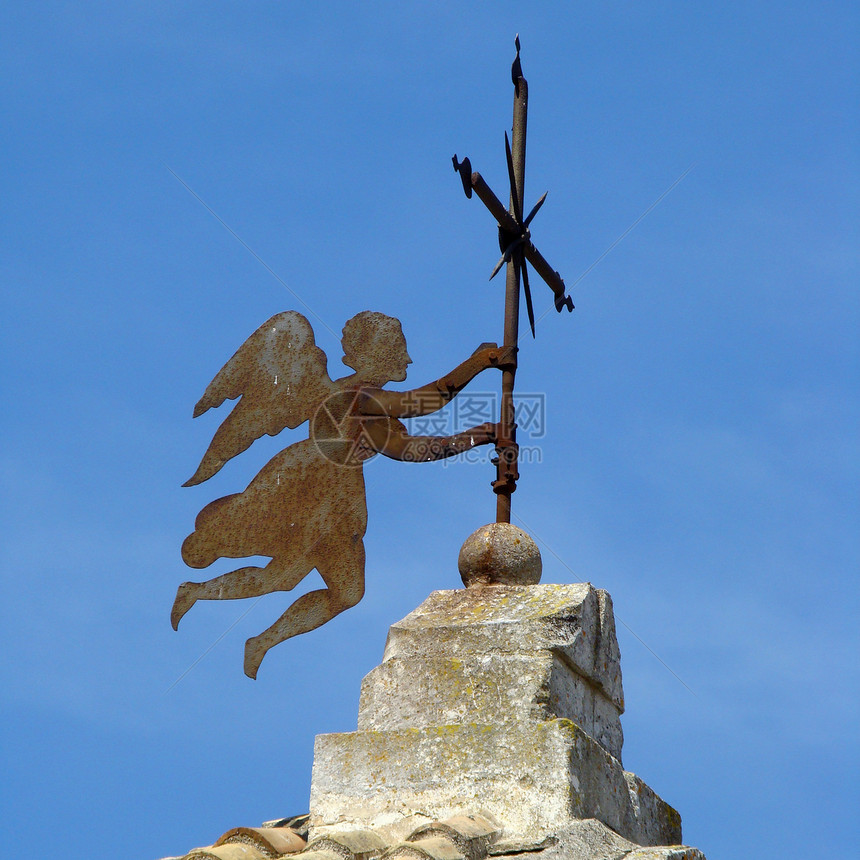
506	448
517	248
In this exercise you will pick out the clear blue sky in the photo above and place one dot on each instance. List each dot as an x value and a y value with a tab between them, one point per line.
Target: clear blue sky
700	458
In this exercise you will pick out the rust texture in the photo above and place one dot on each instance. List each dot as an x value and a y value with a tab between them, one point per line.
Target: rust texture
517	249
306	507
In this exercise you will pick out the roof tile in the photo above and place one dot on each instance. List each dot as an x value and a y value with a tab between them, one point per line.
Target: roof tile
233	851
431	848
357	844
272	841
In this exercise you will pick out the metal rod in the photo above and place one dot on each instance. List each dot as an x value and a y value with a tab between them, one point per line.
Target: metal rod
552	278
506	450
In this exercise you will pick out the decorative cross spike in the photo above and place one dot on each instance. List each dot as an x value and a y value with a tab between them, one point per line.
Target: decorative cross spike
513	229
517	249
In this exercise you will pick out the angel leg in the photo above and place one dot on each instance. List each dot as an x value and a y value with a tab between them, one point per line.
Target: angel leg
244	582
343	572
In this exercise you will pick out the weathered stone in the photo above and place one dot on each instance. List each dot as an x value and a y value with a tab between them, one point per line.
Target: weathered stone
589	839
563	619
437	691
607	654
605	725
586	839
534	778
498	701
499	553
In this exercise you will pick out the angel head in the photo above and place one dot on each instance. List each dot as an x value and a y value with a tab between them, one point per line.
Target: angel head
375	348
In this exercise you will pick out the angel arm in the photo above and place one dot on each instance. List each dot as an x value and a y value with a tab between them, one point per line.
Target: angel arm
433	396
393	440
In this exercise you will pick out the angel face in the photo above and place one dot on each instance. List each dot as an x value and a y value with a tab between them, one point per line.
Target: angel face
374	346
399	358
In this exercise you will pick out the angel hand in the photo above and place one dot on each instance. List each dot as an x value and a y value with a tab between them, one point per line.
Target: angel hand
484	434
504	357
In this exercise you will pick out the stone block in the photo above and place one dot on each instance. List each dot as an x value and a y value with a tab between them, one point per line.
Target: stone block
494	688
531	778
442	691
572	621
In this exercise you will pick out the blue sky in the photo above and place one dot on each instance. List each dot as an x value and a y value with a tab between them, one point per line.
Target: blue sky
700	458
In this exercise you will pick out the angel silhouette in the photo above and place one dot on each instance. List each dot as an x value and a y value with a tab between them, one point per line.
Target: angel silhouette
306	508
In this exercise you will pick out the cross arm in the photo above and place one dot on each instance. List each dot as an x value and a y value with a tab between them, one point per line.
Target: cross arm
553	279
497	209
509	224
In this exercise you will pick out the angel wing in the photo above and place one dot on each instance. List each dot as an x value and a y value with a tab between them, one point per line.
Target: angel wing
279	375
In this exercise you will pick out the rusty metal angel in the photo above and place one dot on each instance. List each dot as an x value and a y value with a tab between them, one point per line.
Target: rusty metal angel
306	508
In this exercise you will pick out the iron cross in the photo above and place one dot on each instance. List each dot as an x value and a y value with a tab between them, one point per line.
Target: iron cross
517	248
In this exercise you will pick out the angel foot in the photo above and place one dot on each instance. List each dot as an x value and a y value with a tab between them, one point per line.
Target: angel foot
185	599
255	650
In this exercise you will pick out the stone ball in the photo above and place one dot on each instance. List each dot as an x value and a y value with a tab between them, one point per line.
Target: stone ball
499	554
